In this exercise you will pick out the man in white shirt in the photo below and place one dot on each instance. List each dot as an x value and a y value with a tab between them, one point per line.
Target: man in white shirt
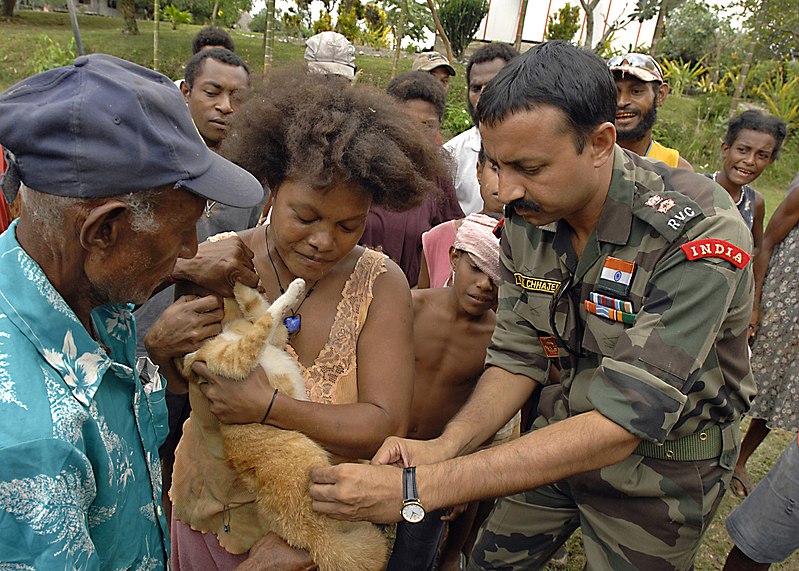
484	64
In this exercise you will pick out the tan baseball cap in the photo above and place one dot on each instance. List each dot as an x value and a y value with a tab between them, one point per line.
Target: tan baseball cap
428	61
642	66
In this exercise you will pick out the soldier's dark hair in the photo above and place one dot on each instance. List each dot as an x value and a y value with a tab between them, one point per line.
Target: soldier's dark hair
755	120
419	85
223	55
212	36
312	128
558	74
489	52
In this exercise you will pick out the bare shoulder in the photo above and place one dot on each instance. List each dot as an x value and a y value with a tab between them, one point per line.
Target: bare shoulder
252	236
392	282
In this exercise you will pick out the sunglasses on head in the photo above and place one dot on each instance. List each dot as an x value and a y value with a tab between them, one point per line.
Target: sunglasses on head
641	61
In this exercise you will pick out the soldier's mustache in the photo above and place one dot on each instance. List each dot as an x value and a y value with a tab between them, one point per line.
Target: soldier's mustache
522	204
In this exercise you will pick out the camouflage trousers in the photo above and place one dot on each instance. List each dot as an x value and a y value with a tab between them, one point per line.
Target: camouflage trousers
642	513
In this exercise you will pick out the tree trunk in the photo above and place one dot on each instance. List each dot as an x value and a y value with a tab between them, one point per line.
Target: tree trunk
128	9
156	31
269	34
399	33
8	9
213	13
588	8
659	27
520	30
739	87
440	30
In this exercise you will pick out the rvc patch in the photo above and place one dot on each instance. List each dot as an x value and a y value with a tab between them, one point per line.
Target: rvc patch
715	248
681	217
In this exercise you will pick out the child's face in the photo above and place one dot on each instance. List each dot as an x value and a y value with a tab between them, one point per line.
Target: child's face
475	291
488	179
748	156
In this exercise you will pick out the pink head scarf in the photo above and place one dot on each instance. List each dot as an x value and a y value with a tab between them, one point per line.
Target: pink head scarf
476	237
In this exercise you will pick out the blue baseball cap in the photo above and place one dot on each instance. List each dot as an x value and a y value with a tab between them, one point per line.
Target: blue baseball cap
106	127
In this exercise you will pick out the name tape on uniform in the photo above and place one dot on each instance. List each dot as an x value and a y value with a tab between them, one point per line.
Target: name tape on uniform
536	284
715	248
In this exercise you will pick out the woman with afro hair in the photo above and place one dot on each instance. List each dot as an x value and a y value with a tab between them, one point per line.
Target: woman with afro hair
328	152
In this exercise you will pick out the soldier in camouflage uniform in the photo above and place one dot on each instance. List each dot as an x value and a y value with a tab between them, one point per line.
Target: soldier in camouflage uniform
634	278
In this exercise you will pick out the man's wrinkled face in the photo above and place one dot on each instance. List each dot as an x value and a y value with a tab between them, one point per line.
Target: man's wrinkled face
213	98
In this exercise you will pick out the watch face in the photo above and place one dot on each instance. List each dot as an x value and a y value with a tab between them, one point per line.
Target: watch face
413	512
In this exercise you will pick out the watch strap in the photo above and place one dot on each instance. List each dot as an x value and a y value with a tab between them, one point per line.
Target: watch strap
409	484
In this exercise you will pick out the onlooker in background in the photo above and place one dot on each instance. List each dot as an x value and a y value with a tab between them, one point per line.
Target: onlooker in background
436	65
436	268
214	82
765	528
399	234
484	64
211	37
775	349
452	328
751	144
207	38
330	53
640	91
80	417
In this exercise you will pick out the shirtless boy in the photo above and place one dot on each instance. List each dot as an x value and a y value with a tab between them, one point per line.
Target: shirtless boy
452	329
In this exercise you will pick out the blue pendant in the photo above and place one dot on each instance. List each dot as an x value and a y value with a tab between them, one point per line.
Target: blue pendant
292	323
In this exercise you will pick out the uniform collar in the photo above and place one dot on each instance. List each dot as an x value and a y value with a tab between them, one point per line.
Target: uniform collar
616	221
47	321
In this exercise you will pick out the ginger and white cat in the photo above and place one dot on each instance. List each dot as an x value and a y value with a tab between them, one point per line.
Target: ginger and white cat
273	463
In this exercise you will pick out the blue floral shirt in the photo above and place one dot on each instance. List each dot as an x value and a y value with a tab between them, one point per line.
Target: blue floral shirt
80	478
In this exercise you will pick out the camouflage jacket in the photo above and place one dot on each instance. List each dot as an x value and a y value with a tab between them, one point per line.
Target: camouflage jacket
669	259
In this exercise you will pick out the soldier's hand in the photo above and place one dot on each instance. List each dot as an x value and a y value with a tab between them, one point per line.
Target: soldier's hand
358	492
754	322
218	265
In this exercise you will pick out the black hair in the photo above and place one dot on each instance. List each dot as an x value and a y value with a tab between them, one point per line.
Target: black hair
755	120
306	127
490	52
212	36
555	73
481	155
419	85
223	55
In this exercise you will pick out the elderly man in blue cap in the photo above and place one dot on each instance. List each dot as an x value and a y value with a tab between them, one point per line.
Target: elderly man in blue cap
114	179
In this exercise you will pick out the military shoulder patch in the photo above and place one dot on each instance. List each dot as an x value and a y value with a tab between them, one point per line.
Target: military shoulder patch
670	213
715	248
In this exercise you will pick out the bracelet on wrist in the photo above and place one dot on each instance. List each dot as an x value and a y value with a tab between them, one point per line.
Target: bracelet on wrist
269	409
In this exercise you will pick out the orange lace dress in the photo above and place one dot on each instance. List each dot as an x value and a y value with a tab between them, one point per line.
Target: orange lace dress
206	493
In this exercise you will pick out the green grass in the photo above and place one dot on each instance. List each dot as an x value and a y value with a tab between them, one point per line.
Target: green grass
682	124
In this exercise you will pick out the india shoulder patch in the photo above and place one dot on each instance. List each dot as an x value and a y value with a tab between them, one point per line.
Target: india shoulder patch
715	248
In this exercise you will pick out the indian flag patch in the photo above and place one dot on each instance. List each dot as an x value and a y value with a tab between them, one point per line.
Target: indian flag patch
616	276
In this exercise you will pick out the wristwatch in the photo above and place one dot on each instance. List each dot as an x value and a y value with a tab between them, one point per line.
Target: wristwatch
412	509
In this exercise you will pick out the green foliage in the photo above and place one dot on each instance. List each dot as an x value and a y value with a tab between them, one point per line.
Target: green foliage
774	25
460	20
693	31
323	24
228	12
456	119
563	24
176	17
50	54
377	29
293	22
782	98
347	23
683	75
258	22
418	20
